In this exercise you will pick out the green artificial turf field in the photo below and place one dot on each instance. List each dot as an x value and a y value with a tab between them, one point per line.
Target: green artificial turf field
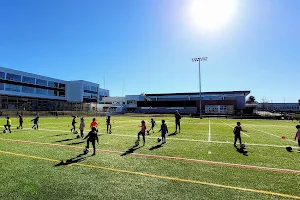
198	163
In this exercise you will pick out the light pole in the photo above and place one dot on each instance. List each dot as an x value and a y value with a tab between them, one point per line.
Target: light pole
199	60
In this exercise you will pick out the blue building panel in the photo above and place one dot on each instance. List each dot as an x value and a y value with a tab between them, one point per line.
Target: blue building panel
23	84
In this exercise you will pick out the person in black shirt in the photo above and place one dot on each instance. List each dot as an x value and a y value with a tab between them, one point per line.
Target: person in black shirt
73	124
177	121
7	125
108	125
153	123
36	123
164	131
20	121
237	134
92	137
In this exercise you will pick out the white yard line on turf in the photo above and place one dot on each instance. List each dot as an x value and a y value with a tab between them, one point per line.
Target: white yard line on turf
209	131
63	131
268	125
263	125
271	134
167	157
233	127
204	141
177	139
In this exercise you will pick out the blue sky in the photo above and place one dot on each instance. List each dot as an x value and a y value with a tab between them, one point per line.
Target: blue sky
149	44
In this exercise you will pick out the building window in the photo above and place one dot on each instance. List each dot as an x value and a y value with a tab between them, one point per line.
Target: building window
109	109
29	80
14	88
2	75
102	92
62	94
51	92
62	86
86	95
131	102
26	89
1	86
50	83
211	109
228	109
93	88
41	82
41	91
86	87
13	77
94	97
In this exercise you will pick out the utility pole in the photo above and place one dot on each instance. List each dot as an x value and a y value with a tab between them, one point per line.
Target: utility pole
199	61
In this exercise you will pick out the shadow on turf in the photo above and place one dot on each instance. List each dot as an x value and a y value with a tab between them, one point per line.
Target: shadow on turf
76	159
156	147
172	134
65	140
131	150
59	135
242	151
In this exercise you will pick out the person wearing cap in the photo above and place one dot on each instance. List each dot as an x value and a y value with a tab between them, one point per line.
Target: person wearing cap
142	132
177	121
92	137
298	136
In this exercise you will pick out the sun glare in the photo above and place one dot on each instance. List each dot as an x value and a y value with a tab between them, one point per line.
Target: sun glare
211	14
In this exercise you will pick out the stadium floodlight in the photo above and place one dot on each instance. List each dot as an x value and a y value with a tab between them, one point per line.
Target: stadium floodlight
200	60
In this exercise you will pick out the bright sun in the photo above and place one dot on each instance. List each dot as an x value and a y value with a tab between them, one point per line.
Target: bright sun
211	14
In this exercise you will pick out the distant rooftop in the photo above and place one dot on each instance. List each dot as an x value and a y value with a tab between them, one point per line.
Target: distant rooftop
42	76
197	93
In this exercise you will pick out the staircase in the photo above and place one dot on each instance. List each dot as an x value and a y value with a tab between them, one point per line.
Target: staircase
146	97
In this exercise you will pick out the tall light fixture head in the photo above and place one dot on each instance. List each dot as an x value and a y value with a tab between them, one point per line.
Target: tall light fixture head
199	59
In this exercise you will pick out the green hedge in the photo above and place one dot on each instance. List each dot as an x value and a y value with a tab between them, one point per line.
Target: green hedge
297	117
